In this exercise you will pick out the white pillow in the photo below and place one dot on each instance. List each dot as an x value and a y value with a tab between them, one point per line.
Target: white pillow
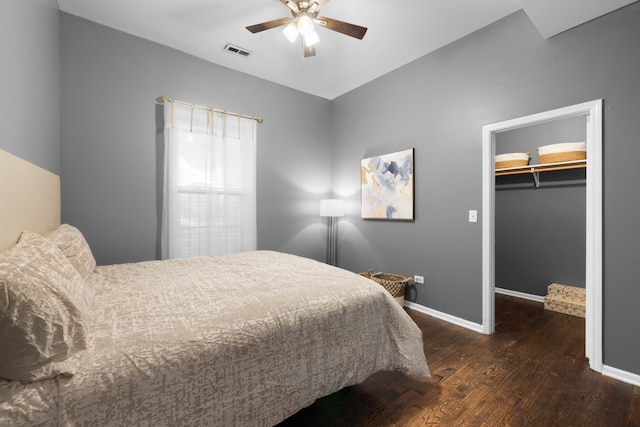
44	308
75	247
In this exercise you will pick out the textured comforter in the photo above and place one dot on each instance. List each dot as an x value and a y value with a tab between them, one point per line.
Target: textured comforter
242	339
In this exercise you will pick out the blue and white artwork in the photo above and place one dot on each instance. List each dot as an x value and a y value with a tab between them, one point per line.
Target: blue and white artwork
387	186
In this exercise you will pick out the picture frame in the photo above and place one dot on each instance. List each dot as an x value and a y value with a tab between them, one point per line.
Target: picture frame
387	186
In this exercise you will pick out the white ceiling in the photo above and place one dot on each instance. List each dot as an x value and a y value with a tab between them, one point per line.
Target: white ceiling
399	32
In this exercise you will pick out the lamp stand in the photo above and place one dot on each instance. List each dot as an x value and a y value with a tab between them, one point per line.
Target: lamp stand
332	209
332	240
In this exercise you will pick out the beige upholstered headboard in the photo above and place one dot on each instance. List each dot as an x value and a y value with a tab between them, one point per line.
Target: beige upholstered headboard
29	199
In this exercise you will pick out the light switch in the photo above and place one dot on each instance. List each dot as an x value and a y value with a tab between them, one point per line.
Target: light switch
473	216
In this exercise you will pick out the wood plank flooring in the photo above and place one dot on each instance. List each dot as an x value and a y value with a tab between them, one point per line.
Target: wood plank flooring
531	372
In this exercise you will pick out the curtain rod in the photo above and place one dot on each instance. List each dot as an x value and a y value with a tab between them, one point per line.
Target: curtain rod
162	99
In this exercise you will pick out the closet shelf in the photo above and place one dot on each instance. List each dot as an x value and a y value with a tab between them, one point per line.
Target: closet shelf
546	167
535	170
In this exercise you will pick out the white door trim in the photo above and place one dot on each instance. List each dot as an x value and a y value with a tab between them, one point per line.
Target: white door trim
593	112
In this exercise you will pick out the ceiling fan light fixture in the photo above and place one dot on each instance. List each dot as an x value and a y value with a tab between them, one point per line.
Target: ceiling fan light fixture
311	39
305	24
291	32
302	17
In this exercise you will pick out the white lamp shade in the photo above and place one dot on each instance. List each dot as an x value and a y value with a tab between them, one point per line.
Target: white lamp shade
331	207
291	32
311	39
305	24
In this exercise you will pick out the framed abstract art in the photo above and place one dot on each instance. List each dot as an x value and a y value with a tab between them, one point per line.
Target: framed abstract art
387	186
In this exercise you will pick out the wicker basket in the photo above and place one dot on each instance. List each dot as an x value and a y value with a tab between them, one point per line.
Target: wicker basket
563	152
562	157
512	160
394	283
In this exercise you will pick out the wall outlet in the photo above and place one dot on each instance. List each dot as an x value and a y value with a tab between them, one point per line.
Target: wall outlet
473	216
418	279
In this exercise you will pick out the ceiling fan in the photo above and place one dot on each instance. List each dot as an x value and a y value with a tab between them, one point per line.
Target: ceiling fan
304	14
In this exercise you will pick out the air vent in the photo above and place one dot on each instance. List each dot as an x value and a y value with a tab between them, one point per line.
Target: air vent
237	50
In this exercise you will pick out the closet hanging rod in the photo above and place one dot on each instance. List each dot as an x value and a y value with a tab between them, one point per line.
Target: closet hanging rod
163	99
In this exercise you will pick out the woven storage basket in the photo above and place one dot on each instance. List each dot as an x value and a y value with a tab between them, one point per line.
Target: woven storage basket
512	160
562	157
394	283
564	152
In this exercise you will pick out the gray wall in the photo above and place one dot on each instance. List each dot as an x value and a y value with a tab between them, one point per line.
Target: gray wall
110	81
540	233
439	103
30	76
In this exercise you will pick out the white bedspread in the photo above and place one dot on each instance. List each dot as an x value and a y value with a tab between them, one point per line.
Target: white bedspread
245	339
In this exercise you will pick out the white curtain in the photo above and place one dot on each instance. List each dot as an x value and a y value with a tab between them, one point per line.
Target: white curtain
209	182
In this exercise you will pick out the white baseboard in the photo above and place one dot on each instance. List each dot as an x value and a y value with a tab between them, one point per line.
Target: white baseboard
531	297
444	316
621	375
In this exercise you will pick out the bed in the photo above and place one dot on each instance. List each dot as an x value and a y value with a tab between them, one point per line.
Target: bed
240	339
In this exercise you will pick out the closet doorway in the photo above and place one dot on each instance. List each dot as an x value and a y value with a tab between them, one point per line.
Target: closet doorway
592	113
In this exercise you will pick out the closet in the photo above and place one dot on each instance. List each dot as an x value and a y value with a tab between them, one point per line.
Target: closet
588	116
540	213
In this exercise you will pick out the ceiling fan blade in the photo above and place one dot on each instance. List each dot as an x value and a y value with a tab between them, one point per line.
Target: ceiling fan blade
343	27
309	50
268	25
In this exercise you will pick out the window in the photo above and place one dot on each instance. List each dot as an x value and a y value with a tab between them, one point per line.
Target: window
209	195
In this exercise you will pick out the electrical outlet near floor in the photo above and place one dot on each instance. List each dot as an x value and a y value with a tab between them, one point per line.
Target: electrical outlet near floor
418	279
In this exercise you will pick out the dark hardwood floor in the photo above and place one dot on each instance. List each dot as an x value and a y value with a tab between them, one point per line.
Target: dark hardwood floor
531	372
